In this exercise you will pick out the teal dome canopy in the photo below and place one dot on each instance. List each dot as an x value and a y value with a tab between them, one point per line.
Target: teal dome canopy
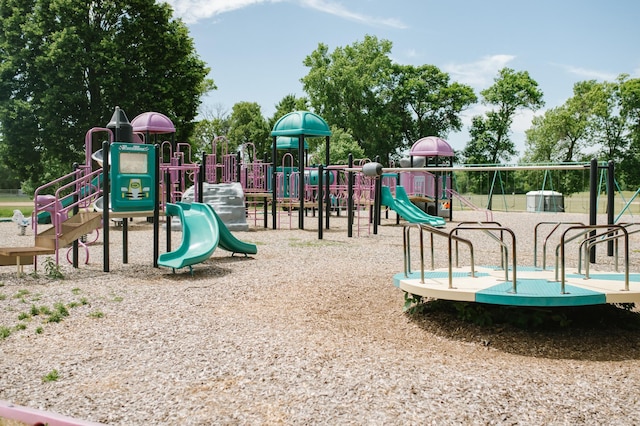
301	123
288	142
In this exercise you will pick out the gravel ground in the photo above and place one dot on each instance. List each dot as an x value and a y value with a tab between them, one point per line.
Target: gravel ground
307	331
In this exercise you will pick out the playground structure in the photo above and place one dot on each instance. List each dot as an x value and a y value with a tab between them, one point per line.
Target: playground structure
160	178
80	202
514	285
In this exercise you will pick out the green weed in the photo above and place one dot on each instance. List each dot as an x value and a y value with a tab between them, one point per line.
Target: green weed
52	376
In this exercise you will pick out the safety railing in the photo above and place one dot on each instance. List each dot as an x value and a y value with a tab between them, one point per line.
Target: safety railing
486	228
546	240
433	231
488	223
611	232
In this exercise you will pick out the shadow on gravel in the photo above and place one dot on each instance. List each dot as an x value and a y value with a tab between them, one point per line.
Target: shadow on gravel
595	333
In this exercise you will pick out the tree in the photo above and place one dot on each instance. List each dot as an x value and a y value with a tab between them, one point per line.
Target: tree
490	143
349	89
431	104
65	65
511	92
630	102
341	145
289	103
246	124
214	122
385	107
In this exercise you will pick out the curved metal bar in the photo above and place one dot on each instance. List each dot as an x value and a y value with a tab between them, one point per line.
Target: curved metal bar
491	228
480	223
433	231
590	228
546	240
559	247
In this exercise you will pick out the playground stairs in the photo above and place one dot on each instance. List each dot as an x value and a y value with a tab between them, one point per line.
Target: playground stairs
70	230
45	242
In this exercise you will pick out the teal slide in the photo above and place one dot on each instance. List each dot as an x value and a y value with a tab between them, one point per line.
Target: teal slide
200	235
230	243
405	208
202	232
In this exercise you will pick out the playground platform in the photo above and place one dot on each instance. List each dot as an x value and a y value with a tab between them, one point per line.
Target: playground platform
534	287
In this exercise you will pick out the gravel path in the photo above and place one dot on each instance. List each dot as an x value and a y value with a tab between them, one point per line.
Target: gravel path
307	331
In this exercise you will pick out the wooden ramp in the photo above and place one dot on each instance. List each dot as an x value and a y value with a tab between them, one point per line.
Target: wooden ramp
45	242
70	230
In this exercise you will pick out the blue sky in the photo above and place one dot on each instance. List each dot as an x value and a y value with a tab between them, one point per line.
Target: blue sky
255	48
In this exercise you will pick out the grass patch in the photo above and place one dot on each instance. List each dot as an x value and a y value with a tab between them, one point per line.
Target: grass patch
52	376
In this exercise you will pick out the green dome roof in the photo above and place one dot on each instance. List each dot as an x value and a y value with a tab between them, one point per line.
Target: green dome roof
301	123
288	142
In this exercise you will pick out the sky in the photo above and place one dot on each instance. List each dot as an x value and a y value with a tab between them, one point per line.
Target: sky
256	48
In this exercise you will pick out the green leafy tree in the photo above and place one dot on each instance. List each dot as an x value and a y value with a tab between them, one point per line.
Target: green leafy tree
630	102
349	89
65	65
430	103
607	124
490	135
386	107
214	122
289	103
340	146
247	125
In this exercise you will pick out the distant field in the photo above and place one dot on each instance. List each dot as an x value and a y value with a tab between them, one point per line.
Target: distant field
576	203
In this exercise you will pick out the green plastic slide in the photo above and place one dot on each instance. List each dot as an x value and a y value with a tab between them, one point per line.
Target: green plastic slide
200	235
405	208
229	242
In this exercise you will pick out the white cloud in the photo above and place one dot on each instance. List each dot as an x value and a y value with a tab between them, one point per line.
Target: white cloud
192	11
337	9
479	74
589	74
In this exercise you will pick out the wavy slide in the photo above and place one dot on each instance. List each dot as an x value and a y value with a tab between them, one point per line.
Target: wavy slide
405	208
202	232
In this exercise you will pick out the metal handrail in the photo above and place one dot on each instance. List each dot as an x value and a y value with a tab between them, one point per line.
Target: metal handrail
584	234
588	229
433	231
604	237
546	240
504	247
479	223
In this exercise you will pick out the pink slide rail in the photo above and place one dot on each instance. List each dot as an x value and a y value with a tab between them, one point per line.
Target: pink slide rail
488	213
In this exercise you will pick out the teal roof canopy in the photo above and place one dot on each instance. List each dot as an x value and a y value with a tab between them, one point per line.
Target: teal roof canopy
288	142
301	123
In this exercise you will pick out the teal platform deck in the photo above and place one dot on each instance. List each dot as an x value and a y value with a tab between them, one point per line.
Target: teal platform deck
534	287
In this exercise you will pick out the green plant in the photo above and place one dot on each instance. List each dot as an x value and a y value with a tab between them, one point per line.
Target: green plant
75	290
52	269
21	326
412	303
21	293
3	296
23	316
96	314
43	310
52	376
4	332
60	311
39	330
